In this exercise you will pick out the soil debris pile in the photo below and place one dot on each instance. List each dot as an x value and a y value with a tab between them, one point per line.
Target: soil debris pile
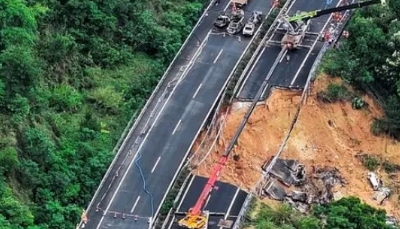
326	135
267	124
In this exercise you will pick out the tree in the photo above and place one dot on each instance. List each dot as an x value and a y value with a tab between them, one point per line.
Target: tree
350	213
8	160
72	73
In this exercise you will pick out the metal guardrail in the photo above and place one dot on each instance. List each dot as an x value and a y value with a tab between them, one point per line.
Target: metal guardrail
224	93
223	89
249	66
249	197
128	130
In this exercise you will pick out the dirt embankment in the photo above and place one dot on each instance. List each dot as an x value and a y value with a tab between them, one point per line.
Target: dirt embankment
324	135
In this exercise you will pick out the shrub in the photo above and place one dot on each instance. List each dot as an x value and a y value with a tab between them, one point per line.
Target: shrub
334	93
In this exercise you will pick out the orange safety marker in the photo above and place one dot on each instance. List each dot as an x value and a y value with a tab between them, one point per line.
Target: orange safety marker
275	3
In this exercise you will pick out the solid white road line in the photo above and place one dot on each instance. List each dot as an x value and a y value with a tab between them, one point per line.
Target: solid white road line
231	205
284	54
136	202
144	139
208	199
155	165
311	49
204	121
251	70
186	191
172	222
227	5
141	145
256	61
219	54
176	127
197	91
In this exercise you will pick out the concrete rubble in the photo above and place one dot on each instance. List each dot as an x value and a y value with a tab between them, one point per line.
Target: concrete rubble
274	190
381	193
289	172
225	223
316	188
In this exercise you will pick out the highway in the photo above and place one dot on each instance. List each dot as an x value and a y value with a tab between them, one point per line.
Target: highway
292	73
222	204
153	153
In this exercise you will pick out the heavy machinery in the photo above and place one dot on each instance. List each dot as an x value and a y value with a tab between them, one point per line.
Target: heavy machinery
196	218
240	3
254	20
297	26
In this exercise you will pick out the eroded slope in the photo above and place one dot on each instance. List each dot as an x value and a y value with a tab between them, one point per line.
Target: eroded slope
324	135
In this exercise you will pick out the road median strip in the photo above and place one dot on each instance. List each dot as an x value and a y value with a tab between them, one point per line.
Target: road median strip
170	203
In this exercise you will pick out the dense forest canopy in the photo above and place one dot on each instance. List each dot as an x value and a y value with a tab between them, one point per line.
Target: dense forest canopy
370	60
347	213
72	73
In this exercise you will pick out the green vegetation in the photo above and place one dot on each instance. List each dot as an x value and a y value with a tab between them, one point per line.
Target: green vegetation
284	217
372	163
351	213
173	193
335	93
72	73
369	60
347	213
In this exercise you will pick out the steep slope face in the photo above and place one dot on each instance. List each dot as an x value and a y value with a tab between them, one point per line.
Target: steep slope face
324	135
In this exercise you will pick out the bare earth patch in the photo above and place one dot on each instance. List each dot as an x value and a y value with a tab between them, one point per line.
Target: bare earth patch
324	135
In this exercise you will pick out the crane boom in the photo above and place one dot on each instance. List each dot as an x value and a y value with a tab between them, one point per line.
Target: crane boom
194	219
209	185
317	13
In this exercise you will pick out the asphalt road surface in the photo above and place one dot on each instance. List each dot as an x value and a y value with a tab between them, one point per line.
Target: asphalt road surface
163	147
290	73
224	203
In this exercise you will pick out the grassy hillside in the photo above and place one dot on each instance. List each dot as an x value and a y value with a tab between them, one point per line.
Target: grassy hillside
72	73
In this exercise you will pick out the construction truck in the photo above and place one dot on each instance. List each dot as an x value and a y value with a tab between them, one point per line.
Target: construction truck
240	3
296	31
298	25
